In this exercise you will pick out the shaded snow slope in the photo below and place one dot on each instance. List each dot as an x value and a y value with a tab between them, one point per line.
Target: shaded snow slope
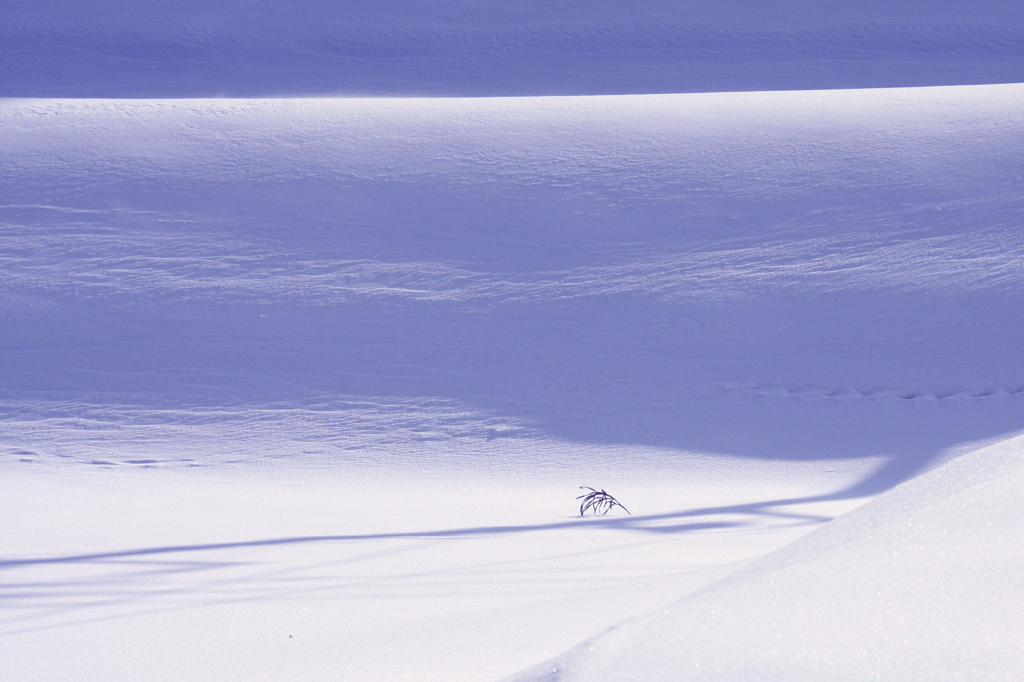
477	283
924	582
70	48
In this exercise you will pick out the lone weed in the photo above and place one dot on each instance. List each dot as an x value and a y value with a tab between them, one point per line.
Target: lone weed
598	502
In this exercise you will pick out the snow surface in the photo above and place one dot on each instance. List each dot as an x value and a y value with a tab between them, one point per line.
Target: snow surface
211	575
485	276
387	327
305	388
922	583
190	48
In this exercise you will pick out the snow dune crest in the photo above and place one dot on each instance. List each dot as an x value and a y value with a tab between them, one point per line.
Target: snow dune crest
573	172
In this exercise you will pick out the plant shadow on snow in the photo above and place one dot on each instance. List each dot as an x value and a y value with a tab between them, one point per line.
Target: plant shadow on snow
654	523
62	590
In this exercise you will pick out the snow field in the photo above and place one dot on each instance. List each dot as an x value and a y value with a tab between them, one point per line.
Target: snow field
335	369
272	48
351	274
281	574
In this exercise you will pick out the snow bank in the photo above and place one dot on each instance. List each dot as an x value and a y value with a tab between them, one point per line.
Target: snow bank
499	285
741	312
924	582
69	48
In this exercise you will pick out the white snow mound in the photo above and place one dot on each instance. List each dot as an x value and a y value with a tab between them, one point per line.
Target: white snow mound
924	582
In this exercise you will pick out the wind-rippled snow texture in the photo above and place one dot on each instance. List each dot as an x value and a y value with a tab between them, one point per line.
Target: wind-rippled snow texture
603	270
696	197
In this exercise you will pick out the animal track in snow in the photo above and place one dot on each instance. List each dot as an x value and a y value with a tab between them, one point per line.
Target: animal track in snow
846	393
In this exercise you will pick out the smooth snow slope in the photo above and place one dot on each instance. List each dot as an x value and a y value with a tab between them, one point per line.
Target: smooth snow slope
220	574
126	48
922	583
475	283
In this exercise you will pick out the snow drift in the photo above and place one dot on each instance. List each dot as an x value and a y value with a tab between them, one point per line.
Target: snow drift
835	271
921	583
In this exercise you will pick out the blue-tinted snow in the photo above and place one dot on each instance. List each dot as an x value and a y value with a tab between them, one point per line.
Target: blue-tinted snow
781	276
314	47
377	344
